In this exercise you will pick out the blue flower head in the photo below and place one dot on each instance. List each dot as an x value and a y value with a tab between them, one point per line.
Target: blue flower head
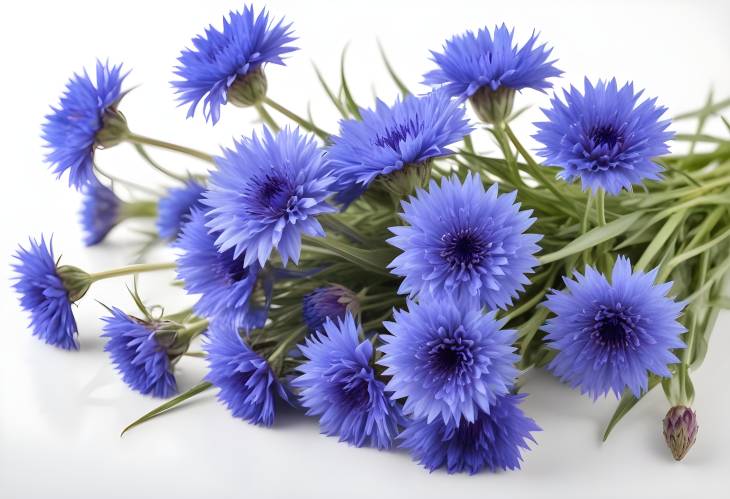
85	119
246	383
173	210
266	193
448	360
100	212
464	242
228	65
610	335
328	302
338	384
44	295
389	139
228	290
493	440
604	137
140	351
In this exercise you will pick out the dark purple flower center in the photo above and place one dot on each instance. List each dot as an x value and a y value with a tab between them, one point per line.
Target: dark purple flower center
396	134
231	269
450	354
270	195
605	135
464	248
615	327
351	384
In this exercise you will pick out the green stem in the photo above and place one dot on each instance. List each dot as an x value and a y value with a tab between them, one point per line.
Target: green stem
142	140
139	209
194	329
285	345
154	164
130	269
307	125
267	118
601	206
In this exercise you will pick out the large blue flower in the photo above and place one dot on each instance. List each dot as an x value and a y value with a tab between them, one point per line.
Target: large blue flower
464	242
137	354
71	131
493	441
472	61
338	384
266	193
173	210
225	286
328	302
44	295
604	137
246	383
389	139
220	60
610	335
100	212
447	359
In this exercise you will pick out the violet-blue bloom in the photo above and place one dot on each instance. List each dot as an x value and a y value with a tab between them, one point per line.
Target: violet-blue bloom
448	361
173	210
332	302
338	383
605	137
100	212
610	335
493	441
266	194
464	242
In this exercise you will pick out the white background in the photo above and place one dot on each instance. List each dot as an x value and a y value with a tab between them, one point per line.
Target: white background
61	412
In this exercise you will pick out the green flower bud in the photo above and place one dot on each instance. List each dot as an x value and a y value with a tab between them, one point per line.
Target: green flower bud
491	106
114	129
75	280
249	89
401	183
680	430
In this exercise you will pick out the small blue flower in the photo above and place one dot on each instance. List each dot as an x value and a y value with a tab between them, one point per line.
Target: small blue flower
173	210
225	286
493	441
44	295
221	58
388	139
464	242
604	137
246	382
447	360
338	384
137	354
266	193
477	60
328	302
610	335
71	130
100	212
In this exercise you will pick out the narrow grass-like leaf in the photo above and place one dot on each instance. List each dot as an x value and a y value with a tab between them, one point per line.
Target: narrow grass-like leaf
349	101
335	100
398	82
628	401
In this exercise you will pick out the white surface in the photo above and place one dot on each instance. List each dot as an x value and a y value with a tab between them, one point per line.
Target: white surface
61	413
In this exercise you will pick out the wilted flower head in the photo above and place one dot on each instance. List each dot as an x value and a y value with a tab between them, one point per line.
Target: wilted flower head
464	242
100	212
85	119
266	193
173	210
246	382
489	69
328	302
610	335
493	440
447	360
144	352
338	384
680	430
227	66
604	137
410	133
227	289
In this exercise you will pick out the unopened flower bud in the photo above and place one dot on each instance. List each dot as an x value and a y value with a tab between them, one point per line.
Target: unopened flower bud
493	106
403	182
75	280
332	302
249	89
114	129
680	430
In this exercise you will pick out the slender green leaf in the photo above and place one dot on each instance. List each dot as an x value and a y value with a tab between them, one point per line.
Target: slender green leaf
398	82
705	111
627	402
349	101
335	100
659	240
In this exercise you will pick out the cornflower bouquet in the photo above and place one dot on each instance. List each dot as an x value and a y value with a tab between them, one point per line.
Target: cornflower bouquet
390	279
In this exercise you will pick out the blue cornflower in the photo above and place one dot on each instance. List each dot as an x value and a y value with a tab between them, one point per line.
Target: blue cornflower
464	242
139	351
489	70
610	335
44	294
228	65
246	382
493	441
100	212
173	210
447	359
604	137
266	193
338	383
86	118
227	289
328	302
391	139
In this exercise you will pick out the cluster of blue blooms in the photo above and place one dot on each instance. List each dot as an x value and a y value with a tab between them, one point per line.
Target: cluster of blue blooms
439	378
